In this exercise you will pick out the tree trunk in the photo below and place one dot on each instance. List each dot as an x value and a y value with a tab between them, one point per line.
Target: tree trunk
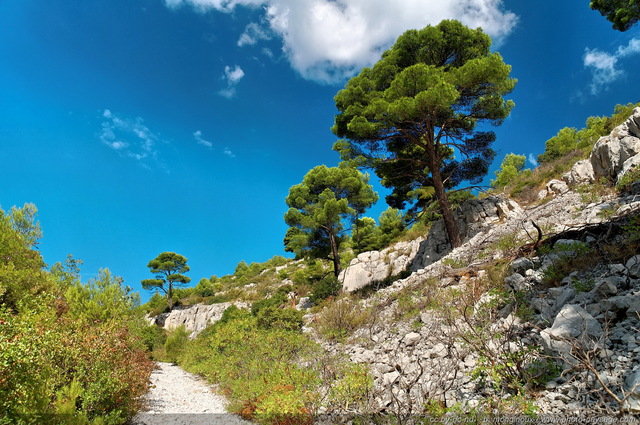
170	297
334	251
443	200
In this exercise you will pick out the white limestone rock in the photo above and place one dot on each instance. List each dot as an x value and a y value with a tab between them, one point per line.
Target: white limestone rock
580	173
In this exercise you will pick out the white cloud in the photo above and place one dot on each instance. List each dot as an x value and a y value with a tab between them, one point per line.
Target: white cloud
252	34
228	152
604	66
128	137
532	160
232	76
198	136
329	40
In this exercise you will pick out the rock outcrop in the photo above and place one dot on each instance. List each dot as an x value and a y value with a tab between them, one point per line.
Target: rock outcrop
195	318
376	266
473	216
612	156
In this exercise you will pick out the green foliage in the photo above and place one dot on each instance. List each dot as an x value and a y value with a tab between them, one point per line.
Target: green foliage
205	288
353	389
310	272
22	277
283	318
572	139
23	220
273	375
167	268
512	166
278	299
626	182
413	116
367	236
175	344
318	207
340	318
623	14
565	141
156	305
102	299
152	337
325	288
256	366
68	352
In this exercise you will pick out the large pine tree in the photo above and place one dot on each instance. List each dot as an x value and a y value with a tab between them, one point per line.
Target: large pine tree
413	117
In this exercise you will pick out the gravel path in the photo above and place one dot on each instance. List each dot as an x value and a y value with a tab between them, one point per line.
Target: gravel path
179	397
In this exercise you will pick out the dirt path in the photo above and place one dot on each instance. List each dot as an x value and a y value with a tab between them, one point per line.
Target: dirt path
179	397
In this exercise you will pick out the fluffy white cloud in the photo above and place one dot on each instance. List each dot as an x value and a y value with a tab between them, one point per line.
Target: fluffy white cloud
232	76
328	40
604	65
129	137
532	160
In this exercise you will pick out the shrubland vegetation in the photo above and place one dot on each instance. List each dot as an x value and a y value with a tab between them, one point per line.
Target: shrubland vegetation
70	353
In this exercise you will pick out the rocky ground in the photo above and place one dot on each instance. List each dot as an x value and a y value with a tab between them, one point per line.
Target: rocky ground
178	397
564	330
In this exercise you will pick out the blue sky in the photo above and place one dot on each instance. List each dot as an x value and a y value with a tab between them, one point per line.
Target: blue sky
143	126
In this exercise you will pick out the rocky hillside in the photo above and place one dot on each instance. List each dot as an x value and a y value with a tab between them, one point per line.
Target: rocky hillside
539	310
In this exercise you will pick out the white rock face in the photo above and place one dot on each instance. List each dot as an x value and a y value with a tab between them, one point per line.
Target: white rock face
580	173
195	318
472	216
612	155
376	266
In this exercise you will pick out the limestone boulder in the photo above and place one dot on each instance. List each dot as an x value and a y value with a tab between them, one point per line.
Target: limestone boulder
611	152
572	325
580	173
376	266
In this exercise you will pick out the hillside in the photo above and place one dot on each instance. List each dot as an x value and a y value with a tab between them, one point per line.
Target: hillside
536	313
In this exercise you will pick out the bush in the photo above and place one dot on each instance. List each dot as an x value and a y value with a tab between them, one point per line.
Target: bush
329	286
258	368
67	351
340	318
152	337
175	344
283	318
156	305
276	300
627	181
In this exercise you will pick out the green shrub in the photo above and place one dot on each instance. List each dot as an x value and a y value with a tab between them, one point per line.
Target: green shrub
152	337
276	300
512	166
68	353
327	287
340	318
175	344
628	179
257	367
353	388
283	318
156	305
